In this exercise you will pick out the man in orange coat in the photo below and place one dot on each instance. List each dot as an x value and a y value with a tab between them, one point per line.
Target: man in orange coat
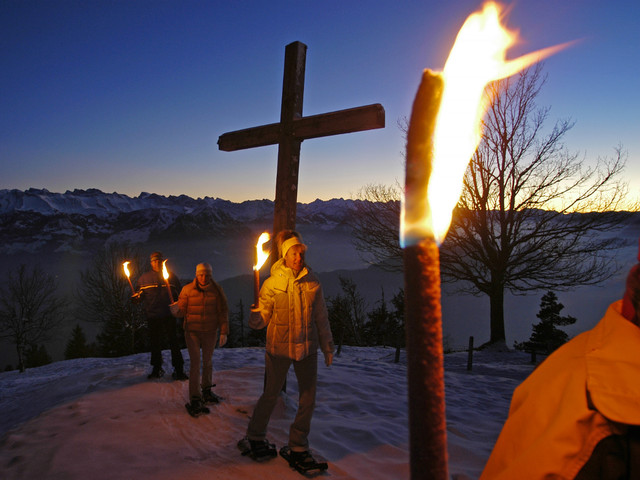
577	416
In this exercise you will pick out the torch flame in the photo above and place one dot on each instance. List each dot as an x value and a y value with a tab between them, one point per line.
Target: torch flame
261	255
165	273
125	267
477	58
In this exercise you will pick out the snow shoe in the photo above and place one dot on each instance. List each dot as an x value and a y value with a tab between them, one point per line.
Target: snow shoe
258	450
196	408
303	462
179	375
157	372
209	397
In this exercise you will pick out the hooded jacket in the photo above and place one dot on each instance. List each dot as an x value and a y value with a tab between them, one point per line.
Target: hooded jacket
204	309
295	313
586	391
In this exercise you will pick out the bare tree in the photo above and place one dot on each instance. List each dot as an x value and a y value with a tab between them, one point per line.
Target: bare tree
531	216
30	310
375	226
104	297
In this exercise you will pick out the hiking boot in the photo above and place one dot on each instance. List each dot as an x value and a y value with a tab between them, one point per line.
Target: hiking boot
303	462
209	397
258	450
157	372
180	375
196	407
262	449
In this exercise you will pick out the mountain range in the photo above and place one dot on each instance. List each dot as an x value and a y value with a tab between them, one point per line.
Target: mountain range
62	232
81	220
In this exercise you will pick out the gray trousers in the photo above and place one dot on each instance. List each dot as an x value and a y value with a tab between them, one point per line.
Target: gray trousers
276	369
196	342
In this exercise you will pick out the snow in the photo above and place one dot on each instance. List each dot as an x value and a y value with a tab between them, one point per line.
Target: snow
101	418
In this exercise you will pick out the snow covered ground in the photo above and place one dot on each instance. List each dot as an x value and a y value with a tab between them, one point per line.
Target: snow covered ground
102	419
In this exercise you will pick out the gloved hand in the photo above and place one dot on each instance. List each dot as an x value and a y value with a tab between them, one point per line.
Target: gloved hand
175	310
222	341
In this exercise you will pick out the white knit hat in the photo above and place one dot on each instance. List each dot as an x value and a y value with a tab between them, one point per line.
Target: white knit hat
290	242
204	268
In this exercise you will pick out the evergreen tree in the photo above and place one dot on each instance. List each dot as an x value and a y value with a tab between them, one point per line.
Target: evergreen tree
382	327
36	356
237	331
341	321
77	345
546	336
357	307
398	314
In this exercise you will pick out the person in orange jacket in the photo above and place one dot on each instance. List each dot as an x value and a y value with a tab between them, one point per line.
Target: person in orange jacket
203	304
577	416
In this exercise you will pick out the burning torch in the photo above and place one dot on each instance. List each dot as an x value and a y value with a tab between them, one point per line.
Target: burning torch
444	131
125	267
165	275
261	257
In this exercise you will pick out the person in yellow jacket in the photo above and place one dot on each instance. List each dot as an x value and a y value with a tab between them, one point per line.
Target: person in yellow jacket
292	307
203	304
577	416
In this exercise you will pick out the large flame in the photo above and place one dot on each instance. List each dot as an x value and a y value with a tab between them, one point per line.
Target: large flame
261	255
477	58
165	273
125	267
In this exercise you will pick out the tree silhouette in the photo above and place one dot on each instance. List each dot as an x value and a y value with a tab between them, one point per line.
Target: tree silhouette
104	297
30	310
531	215
546	335
77	345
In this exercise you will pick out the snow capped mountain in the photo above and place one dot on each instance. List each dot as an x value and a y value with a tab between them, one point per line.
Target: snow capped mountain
81	221
104	205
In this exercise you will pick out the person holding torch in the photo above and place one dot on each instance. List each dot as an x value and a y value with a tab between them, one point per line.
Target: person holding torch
203	304
292	308
156	294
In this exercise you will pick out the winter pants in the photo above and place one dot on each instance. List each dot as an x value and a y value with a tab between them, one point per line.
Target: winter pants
160	328
197	341
276	369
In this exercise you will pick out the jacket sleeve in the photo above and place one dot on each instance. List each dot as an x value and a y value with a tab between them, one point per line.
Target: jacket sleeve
321	319
223	311
260	318
183	301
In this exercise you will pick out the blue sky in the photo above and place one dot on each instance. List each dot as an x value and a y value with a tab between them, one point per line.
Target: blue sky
131	96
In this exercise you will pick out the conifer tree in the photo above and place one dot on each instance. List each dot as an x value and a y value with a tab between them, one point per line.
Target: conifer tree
37	356
77	345
546	335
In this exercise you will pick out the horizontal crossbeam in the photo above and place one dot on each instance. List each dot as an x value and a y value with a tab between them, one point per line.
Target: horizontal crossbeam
350	120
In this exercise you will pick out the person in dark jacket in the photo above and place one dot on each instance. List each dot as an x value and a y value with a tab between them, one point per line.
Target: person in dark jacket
152	291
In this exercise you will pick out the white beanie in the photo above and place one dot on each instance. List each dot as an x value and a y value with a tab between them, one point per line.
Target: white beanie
290	242
204	268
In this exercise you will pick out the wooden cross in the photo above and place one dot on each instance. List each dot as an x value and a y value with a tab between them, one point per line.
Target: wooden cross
293	129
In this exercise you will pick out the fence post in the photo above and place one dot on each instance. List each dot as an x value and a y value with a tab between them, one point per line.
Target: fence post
470	355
